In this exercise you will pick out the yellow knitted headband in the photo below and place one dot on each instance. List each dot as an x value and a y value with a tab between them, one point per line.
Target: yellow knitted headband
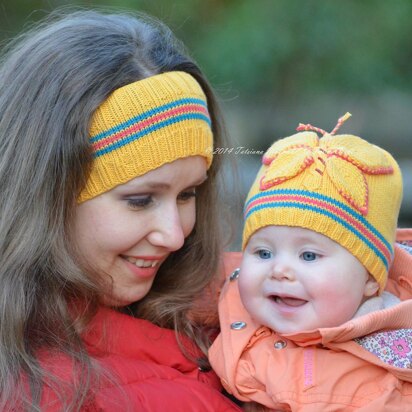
144	125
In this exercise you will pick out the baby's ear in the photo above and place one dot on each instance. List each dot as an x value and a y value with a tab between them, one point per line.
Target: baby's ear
371	287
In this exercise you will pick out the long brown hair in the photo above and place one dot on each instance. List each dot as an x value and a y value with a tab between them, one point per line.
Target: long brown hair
52	79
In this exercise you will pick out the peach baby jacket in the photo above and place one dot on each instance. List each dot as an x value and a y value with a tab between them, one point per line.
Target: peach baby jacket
363	365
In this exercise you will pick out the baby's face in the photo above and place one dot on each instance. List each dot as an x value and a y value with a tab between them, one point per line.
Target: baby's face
293	279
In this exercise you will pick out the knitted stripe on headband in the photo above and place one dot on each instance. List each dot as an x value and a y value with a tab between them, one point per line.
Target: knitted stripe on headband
149	122
144	125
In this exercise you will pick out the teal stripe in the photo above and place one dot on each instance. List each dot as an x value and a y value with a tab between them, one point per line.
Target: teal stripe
344	223
326	199
143	116
148	130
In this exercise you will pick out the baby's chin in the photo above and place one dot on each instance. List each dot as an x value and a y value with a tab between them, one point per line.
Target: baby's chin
297	328
308	328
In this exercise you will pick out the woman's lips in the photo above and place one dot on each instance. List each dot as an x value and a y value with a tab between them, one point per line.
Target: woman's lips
142	267
144	261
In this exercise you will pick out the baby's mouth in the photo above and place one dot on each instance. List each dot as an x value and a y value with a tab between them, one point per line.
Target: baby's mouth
289	300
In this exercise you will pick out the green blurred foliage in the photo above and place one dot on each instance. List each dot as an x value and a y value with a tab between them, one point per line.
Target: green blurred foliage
290	46
277	47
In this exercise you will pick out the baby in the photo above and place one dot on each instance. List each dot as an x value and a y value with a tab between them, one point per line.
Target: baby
305	323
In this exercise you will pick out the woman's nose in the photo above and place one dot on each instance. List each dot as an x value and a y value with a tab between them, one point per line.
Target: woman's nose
168	231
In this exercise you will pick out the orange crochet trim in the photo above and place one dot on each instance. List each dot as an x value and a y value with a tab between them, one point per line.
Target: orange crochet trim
286	162
306	127
267	160
370	170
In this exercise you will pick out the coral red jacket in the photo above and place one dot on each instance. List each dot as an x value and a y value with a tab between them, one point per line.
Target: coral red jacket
330	369
151	372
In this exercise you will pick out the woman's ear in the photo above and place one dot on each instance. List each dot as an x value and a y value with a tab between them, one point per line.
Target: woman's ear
371	287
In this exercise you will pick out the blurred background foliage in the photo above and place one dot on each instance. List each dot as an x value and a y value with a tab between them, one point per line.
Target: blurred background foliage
275	63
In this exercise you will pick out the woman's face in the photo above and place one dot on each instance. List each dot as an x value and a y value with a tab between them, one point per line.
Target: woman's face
126	233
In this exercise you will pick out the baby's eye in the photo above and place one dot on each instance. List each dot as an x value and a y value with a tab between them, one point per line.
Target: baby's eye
309	256
264	254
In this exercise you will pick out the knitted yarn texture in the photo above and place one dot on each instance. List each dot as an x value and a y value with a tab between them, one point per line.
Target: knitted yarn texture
340	186
145	125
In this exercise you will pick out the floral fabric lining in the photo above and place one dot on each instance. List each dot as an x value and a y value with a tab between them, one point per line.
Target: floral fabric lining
392	347
406	245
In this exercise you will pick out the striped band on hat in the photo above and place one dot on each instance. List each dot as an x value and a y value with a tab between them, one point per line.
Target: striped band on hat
144	125
345	218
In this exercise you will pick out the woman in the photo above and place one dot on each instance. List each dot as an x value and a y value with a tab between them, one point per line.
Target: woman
108	218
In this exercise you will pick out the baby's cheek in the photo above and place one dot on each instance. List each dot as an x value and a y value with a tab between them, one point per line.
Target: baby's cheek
336	304
329	293
244	287
247	290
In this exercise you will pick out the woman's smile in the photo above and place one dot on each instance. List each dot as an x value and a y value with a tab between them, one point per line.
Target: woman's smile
125	234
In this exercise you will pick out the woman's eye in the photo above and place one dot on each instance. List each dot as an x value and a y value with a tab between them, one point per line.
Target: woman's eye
309	256
186	195
139	202
264	254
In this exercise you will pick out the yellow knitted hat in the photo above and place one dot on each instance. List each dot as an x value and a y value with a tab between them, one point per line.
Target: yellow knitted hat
144	125
340	186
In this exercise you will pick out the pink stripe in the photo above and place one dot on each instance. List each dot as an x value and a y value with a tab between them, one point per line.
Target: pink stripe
332	209
143	124
308	366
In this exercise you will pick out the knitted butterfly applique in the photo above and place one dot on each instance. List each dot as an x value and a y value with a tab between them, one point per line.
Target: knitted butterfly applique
346	160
